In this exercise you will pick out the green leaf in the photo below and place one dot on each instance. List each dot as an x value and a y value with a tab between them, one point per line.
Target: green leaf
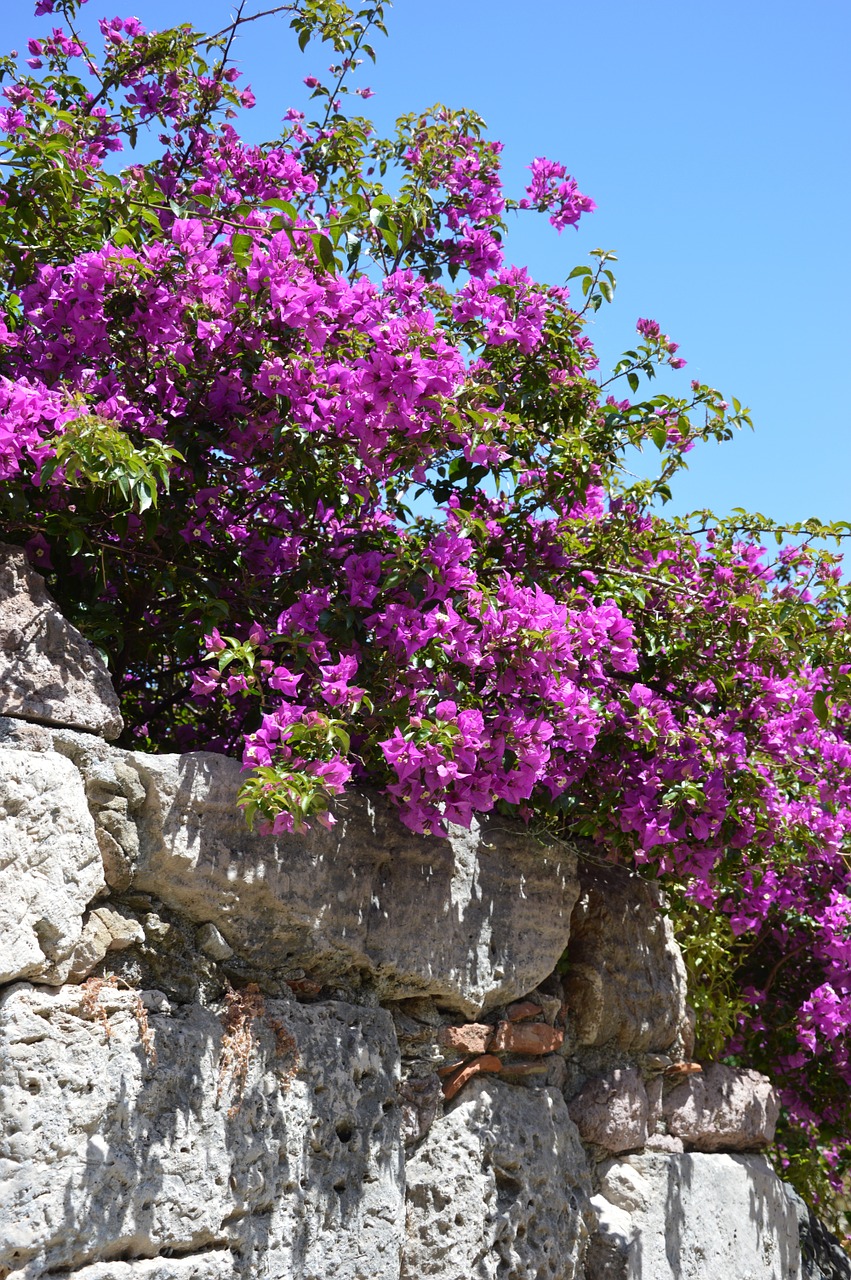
324	251
821	708
241	247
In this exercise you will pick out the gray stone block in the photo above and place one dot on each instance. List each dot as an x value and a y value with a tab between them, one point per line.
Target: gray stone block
416	916
48	672
271	1153
50	865
499	1187
625	984
693	1217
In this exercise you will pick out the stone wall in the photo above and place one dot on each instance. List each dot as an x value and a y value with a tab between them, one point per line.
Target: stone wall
356	1055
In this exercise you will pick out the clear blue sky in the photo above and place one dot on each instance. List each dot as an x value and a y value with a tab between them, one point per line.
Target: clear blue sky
715	140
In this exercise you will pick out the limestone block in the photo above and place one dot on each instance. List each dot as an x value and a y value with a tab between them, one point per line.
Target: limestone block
612	1110
50	866
475	920
105	930
212	1264
48	672
115	793
693	1217
626	980
822	1256
723	1109
499	1187
130	1132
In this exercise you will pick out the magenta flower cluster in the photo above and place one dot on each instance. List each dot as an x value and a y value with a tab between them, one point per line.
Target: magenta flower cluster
320	355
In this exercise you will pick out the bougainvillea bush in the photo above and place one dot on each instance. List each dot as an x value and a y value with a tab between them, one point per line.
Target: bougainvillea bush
336	486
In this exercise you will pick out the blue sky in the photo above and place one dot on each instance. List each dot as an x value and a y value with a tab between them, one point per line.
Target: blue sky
715	141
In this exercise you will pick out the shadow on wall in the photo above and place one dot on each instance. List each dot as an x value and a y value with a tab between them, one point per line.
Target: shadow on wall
419	916
730	1243
273	1136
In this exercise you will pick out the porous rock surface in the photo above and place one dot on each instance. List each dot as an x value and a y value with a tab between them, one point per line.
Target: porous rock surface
48	672
127	1131
236	1104
612	1110
626	981
500	1187
50	865
422	917
723	1109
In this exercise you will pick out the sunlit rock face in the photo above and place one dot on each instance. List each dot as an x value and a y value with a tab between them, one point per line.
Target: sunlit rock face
350	1055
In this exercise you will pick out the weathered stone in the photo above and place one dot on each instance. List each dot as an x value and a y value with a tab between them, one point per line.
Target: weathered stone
822	1256
611	1111
420	1102
115	793
525	1070
50	866
281	1153
472	1037
526	1037
105	930
723	1109
693	1217
212	1264
48	672
212	943
499	1187
413	915
20	735
522	1010
626	981
454	1083
664	1142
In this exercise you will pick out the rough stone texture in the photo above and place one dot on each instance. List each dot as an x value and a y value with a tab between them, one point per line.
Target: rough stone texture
106	1154
50	867
822	1256
115	794
522	1010
723	1109
48	672
105	930
215	1264
499	1188
611	1111
693	1217
416	916
626	981
420	1101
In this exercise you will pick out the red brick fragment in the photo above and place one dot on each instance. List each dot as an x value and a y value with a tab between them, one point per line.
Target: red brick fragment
522	1010
475	1067
526	1037
473	1037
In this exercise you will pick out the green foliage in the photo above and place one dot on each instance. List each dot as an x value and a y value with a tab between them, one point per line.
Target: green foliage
95	455
712	955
